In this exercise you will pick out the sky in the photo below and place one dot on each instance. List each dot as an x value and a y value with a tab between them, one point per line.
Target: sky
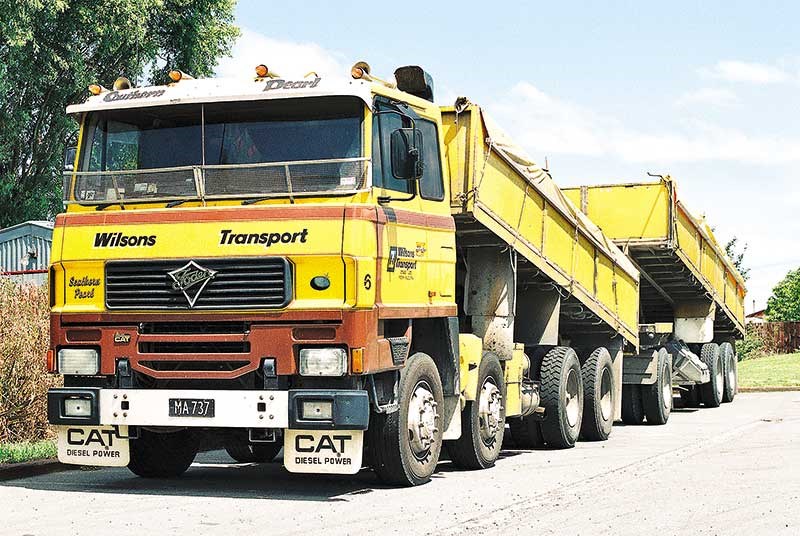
707	92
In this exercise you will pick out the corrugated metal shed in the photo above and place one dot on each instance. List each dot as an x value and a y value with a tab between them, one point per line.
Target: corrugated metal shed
25	248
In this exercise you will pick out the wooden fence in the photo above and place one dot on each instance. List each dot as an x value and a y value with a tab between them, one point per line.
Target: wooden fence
777	337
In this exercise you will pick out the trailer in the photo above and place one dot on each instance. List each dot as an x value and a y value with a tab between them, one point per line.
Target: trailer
690	290
342	271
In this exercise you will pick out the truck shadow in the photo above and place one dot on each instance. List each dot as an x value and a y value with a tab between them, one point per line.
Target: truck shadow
212	475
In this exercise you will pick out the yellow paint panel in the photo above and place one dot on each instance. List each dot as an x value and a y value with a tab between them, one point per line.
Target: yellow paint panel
558	240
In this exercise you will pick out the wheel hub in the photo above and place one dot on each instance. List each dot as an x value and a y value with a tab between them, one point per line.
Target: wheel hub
731	372
719	380
606	395
666	394
423	417
572	402
490	407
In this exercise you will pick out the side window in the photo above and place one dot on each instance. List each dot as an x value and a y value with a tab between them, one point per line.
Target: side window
430	185
382	127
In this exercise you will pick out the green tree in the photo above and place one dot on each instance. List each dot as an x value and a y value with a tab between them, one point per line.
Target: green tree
737	256
51	50
784	304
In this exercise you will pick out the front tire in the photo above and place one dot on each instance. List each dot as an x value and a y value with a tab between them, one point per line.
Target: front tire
161	455
657	398
562	397
730	366
483	420
712	391
599	393
405	444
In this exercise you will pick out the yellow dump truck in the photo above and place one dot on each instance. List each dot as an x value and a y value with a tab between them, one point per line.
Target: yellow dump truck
691	297
343	271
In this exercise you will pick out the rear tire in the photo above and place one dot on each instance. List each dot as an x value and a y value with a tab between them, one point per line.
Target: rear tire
161	455
632	409
730	366
254	452
562	397
405	445
657	398
599	394
483	420
712	391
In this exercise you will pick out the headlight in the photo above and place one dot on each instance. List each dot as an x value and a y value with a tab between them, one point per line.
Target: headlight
323	362
83	361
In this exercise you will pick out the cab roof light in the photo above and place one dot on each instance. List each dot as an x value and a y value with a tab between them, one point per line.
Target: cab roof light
176	75
122	83
361	71
263	72
96	89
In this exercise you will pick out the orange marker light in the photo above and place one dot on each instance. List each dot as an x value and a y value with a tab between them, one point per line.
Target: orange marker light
357	73
175	76
51	361
94	89
261	70
357	360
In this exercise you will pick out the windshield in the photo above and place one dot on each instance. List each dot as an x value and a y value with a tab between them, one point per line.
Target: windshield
254	148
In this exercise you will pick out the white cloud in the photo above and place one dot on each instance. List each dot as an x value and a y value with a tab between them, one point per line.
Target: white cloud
546	125
287	58
742	71
717	97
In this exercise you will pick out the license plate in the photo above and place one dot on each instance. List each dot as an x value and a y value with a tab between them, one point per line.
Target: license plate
191	407
329	451
103	446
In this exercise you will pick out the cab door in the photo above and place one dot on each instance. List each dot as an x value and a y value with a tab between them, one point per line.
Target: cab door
415	232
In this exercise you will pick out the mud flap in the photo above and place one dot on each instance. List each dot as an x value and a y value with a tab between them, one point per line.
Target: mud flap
103	446
323	451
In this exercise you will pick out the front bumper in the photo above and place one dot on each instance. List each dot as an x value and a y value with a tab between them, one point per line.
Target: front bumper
233	409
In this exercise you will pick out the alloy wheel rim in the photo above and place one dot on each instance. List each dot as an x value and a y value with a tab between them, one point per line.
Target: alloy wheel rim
490	407
423	420
571	399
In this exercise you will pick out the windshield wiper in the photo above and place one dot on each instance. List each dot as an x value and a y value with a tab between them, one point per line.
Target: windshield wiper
255	200
176	203
106	205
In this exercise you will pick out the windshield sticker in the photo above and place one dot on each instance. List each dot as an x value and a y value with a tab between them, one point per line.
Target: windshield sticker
135	94
278	83
267	239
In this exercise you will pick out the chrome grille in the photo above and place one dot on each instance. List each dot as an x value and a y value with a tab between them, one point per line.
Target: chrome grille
239	283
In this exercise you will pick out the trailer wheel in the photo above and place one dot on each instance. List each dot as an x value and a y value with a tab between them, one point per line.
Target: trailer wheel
562	397
258	452
657	398
598	396
712	391
405	444
730	365
632	409
690	396
483	421
161	455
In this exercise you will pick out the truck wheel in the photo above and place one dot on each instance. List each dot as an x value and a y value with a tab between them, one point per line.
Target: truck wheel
161	455
405	444
632	410
526	432
657	398
256	452
598	396
483	421
729	364
711	392
562	397
690	396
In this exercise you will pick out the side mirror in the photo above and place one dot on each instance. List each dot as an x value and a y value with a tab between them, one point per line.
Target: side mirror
406	148
69	158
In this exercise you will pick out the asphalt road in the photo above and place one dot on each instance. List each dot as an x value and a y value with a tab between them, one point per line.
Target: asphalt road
731	470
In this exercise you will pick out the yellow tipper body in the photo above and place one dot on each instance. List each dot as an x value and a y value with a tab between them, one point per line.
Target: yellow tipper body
677	253
513	200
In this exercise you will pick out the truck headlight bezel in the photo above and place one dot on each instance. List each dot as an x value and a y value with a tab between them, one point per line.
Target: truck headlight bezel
327	361
78	361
